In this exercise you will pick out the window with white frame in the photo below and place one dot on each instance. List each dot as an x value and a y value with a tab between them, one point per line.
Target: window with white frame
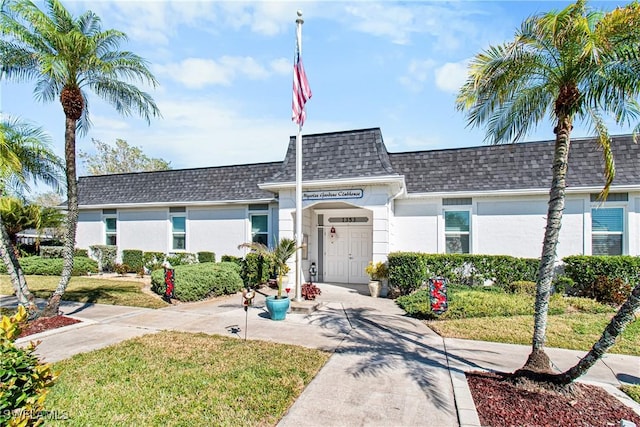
110	230
607	230
260	228
178	218
457	227
110	221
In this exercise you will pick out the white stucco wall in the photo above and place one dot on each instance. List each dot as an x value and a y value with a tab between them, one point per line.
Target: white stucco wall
218	230
515	226
414	226
90	230
145	230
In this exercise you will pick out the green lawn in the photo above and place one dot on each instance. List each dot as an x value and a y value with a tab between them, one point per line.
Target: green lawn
172	378
90	289
576	331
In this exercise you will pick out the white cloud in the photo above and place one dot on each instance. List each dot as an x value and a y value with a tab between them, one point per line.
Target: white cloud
418	73
196	73
282	66
451	76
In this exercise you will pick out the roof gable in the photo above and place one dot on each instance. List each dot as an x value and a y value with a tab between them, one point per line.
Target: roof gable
337	155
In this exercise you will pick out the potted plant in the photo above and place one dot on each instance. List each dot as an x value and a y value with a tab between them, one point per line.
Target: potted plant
277	305
376	272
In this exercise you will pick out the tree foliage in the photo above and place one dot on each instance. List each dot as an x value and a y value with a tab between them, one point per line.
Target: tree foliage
121	158
576	64
66	56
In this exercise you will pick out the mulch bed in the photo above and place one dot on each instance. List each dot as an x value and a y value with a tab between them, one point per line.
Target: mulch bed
501	403
46	323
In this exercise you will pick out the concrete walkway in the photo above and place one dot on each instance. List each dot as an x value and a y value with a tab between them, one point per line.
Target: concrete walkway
386	369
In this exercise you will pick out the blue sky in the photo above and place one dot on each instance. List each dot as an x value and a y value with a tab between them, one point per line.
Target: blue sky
225	73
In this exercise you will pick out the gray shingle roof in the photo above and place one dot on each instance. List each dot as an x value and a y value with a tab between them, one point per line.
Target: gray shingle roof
225	183
513	166
337	155
362	154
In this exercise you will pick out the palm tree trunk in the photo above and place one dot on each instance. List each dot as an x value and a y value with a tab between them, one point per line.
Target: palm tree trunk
18	281
538	360
53	304
624	316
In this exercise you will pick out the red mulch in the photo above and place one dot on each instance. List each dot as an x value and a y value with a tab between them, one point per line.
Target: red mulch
500	403
42	324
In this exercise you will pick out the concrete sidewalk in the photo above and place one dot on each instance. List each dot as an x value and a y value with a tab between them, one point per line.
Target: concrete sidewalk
386	369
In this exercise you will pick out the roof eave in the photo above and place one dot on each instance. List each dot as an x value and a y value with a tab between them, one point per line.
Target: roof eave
521	191
385	179
172	204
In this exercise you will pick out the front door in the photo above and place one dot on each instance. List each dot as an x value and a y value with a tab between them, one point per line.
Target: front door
347	254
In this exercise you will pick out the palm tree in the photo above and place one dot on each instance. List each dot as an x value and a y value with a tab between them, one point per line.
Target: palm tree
24	156
65	56
573	64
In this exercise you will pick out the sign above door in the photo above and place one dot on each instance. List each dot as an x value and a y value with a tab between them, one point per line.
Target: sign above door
354	193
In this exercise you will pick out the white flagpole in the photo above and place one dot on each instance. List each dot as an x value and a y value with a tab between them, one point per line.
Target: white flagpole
298	297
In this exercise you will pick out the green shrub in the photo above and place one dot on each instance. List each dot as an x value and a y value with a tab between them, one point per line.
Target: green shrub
24	381
134	259
51	251
181	258
521	287
407	271
632	390
587	305
106	256
198	281
585	270
606	290
562	285
152	260
81	252
256	269
53	266
230	258
206	257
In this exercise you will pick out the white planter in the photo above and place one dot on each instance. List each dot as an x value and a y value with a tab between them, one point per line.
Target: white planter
374	288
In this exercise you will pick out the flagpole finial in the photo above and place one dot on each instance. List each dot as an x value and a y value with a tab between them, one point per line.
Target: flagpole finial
299	20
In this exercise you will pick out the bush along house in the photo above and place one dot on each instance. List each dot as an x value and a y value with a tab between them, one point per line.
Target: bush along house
361	202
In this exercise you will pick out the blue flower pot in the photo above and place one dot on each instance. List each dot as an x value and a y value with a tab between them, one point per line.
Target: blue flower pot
277	308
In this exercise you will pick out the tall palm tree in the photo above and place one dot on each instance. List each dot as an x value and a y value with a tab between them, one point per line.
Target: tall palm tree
66	56
568	65
25	156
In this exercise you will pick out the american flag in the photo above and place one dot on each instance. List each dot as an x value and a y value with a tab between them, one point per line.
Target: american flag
301	89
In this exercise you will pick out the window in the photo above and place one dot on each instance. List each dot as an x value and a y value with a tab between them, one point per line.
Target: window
607	230
260	229
110	230
179	232
456	231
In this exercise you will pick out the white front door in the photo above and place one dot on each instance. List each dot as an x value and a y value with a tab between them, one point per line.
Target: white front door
347	254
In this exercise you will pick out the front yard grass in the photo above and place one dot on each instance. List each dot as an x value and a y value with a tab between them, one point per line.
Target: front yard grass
174	378
575	331
90	290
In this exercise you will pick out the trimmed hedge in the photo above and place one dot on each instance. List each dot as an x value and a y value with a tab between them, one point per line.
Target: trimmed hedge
53	266
256	269
198	281
408	270
133	258
608	279
181	258
51	251
152	260
106	256
206	257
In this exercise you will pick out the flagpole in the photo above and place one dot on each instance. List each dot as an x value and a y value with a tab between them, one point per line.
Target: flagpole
298	297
